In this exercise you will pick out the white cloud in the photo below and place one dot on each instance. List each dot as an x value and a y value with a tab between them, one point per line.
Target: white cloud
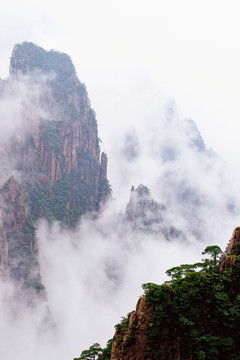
192	53
93	274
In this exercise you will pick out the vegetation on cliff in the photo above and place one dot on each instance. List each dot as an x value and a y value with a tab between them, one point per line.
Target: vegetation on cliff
96	352
63	176
28	56
18	247
194	316
56	156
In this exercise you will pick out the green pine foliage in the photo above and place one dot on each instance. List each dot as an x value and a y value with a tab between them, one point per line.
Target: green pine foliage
91	354
68	198
49	135
122	327
96	352
39	202
200	307
195	315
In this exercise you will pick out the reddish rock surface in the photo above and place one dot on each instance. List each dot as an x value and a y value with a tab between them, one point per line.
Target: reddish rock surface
134	338
232	250
57	148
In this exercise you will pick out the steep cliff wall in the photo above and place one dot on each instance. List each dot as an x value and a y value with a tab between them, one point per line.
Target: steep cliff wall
230	257
18	242
3	250
131	334
63	177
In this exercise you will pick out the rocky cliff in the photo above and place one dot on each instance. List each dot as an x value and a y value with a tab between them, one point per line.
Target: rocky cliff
147	215
194	316
52	146
3	250
143	212
131	334
63	176
18	242
232	251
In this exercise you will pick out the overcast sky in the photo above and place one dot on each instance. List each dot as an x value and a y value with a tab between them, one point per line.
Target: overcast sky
188	49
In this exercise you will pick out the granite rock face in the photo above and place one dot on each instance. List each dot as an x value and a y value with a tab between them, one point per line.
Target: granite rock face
136	329
232	251
53	149
63	174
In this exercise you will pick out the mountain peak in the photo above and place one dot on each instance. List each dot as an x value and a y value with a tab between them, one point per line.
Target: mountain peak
144	213
30	57
62	173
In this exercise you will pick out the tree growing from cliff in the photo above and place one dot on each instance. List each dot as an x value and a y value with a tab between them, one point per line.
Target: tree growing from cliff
95	352
194	316
200	307
92	353
215	252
